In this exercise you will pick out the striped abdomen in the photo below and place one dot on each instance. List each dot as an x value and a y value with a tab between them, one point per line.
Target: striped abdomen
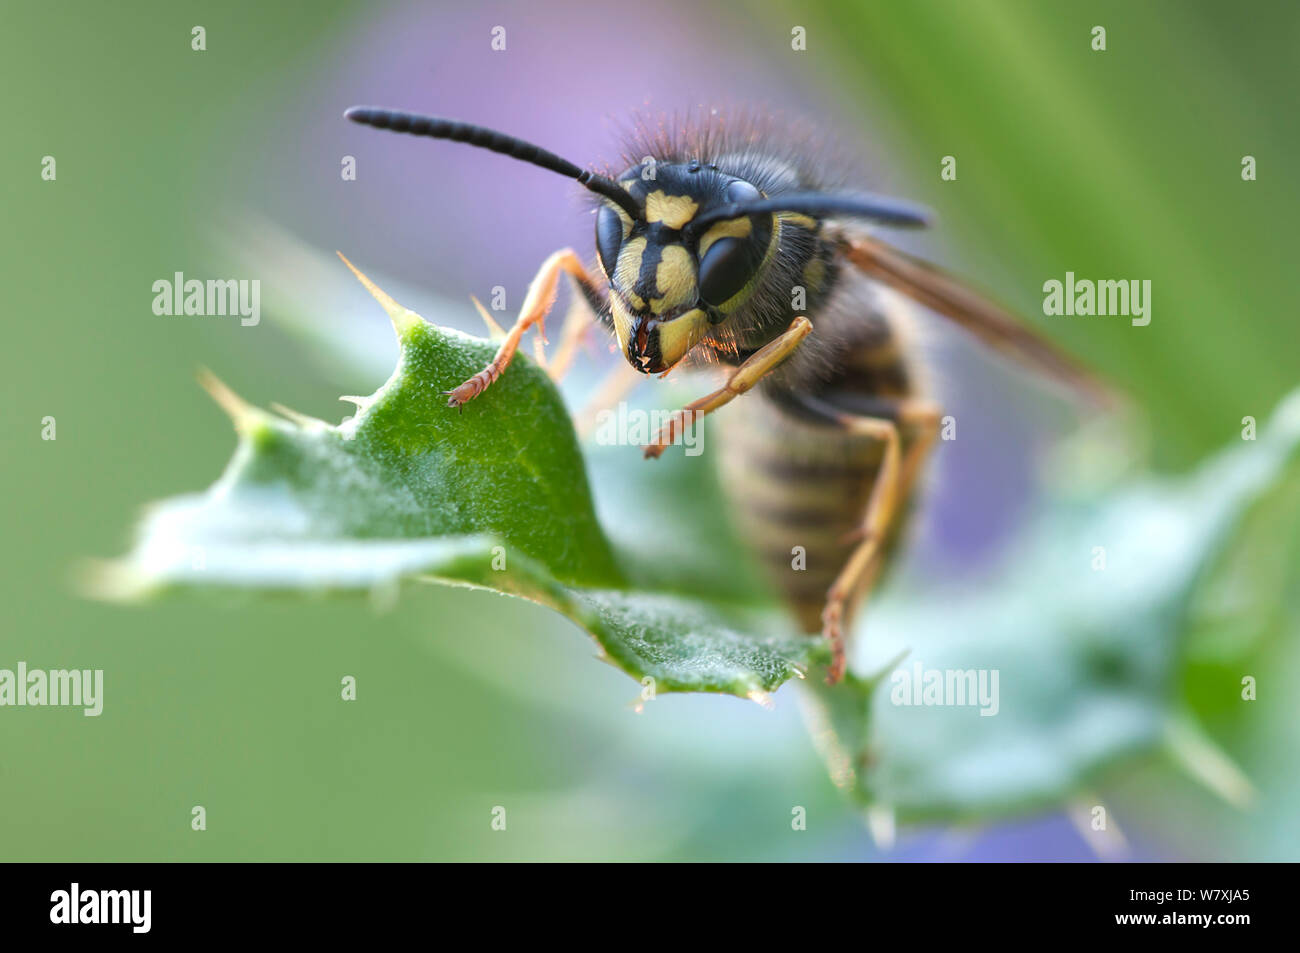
798	487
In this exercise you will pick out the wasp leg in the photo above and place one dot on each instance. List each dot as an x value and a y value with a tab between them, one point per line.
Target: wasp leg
538	301
758	366
880	510
577	322
893	483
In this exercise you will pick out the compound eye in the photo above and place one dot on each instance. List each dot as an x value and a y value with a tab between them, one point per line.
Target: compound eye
725	269
742	191
609	238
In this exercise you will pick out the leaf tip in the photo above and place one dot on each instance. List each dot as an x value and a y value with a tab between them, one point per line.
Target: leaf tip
882	825
244	415
495	331
761	698
306	421
109	581
1193	750
1107	842
404	319
1286	416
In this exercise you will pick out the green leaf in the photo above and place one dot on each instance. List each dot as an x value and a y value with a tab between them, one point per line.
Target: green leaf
495	496
1087	658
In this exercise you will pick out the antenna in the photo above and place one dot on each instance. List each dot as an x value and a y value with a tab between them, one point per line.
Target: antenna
484	138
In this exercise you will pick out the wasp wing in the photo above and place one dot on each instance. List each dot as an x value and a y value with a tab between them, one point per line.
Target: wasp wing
993	325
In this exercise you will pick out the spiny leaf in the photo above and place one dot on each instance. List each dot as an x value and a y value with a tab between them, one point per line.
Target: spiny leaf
1086	657
497	497
493	497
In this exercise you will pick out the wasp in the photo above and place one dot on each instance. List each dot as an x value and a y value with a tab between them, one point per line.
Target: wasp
724	246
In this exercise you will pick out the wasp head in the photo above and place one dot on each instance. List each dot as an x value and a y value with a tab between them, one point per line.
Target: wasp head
683	244
671	281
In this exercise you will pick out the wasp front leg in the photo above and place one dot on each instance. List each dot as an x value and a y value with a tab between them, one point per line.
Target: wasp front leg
537	304
743	378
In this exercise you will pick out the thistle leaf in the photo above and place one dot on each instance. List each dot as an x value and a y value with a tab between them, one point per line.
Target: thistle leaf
494	497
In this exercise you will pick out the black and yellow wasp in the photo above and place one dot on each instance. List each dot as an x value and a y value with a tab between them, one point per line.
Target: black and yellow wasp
723	244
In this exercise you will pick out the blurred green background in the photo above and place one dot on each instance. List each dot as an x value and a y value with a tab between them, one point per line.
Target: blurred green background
1123	163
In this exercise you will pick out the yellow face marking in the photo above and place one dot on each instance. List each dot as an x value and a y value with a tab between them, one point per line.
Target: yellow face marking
675	278
736	228
741	296
679	335
798	218
629	263
814	273
672	210
624	218
622	322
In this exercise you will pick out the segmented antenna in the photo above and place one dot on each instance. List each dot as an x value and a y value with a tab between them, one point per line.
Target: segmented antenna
874	208
484	138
